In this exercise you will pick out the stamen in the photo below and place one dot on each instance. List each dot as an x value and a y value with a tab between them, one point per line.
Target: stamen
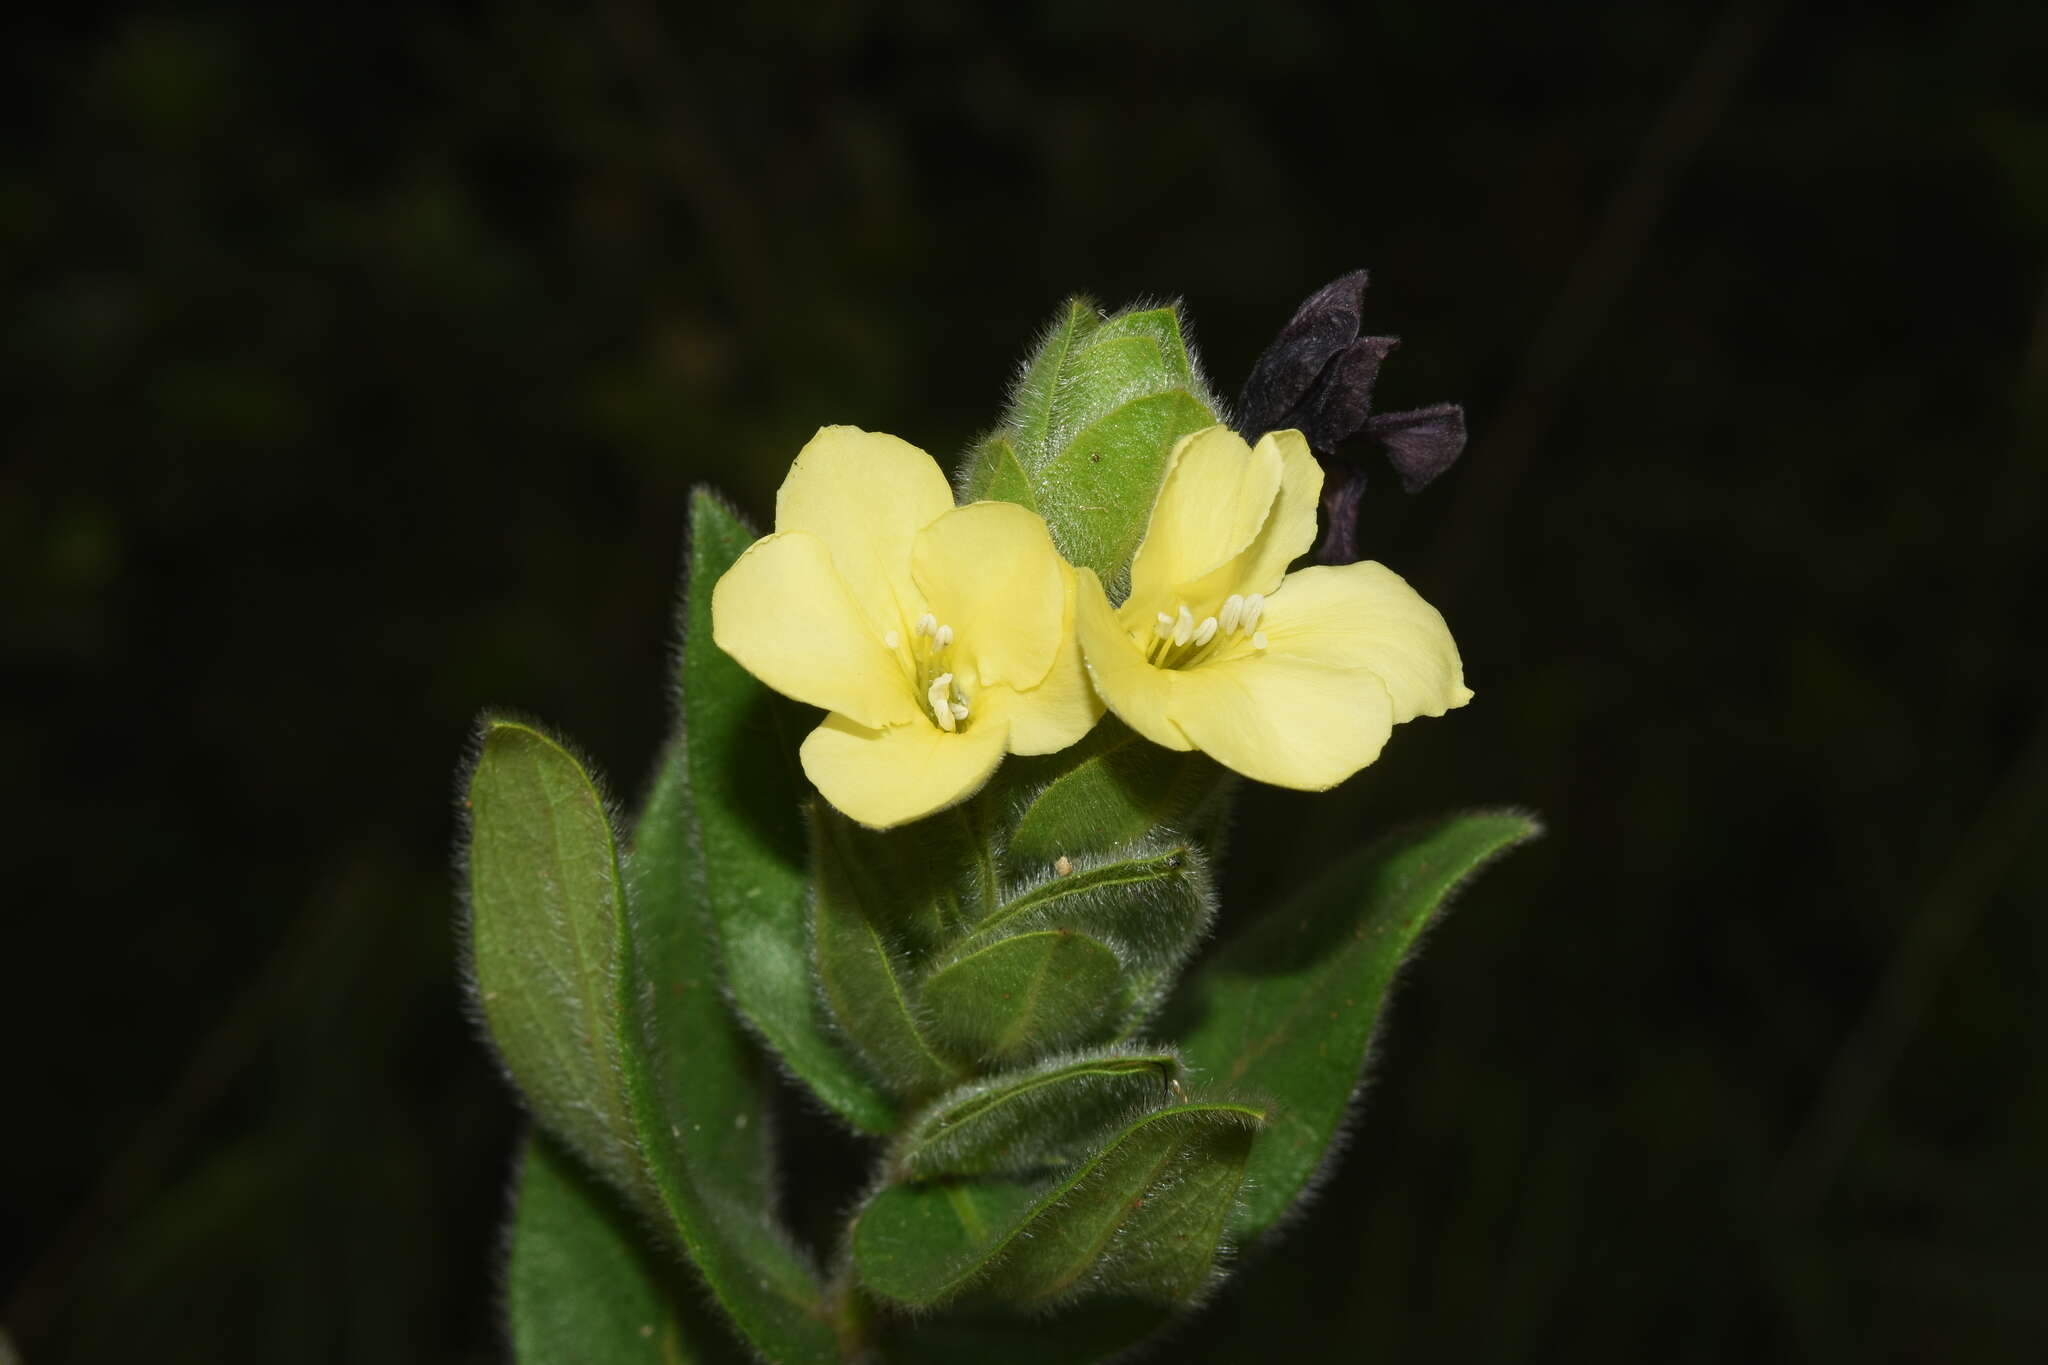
1205	632
1233	613
941	703
927	623
1164	628
1184	627
1253	605
942	637
892	639
1259	641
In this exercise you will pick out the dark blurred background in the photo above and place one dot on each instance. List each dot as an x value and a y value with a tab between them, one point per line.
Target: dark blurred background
357	367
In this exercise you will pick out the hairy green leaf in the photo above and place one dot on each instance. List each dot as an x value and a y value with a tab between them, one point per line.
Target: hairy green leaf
1036	400
582	1285
1021	997
1104	793
1146	1218
1046	1115
1090	422
1111	369
1149	901
1162	327
1004	479
547	914
862	970
698	1092
748	796
1143	1216
696	1059
1096	494
927	881
611	1023
1289	1010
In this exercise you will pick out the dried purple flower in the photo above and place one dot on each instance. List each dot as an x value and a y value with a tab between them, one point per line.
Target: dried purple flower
1317	376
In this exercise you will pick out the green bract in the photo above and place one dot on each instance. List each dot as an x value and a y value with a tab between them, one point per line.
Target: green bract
1095	412
1062	1134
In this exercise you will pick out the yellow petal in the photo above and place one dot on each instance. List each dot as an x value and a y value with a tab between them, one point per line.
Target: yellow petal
1064	706
1285	721
989	570
1214	499
904	772
1365	616
866	495
1139	693
1289	531
784	613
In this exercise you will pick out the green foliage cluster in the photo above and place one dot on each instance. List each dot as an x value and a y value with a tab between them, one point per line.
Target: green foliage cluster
362	363
990	999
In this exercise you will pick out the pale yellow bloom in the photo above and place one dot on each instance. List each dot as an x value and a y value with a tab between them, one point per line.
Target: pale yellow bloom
939	637
1290	678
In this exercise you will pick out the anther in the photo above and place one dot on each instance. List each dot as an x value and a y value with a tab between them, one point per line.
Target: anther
942	637
892	639
1184	626
1205	632
1233	613
1253	605
1164	628
941	703
1259	640
959	710
926	624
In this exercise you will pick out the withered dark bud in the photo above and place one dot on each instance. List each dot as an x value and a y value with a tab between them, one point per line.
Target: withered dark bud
1422	442
1317	376
1343	490
1326	323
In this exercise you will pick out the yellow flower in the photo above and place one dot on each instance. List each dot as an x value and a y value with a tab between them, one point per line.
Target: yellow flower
1290	678
939	637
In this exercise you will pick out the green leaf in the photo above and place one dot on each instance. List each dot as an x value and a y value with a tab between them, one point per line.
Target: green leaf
547	910
1142	1217
1162	327
1046	1115
699	1096
697	1061
1089	425
1289	1010
1000	475
1104	374
1096	493
1145	1219
583	1287
862	969
1034	403
925	1243
1150	901
1104	793
611	1023
748	823
1021	997
929	880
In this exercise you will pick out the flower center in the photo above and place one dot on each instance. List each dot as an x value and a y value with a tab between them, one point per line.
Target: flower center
929	675
1180	641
